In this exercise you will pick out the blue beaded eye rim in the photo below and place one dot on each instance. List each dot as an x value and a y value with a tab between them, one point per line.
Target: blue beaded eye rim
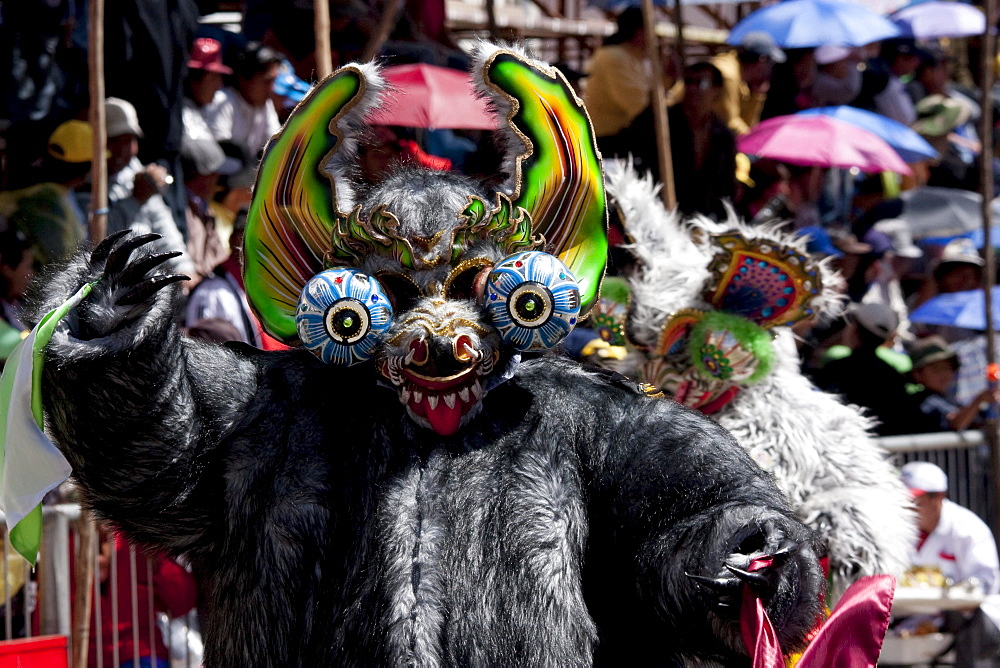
533	300
342	316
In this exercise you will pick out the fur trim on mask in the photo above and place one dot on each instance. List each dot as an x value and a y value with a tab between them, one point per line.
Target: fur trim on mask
511	144
341	166
674	263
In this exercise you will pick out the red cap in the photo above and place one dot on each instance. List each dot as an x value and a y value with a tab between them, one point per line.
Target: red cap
206	54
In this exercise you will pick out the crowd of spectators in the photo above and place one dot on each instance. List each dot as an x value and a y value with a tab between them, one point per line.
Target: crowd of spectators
858	221
188	176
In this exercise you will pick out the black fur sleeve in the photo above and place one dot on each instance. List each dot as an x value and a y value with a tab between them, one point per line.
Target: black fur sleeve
674	496
134	407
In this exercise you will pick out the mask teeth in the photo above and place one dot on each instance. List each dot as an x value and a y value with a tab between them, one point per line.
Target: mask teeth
463	394
418	396
404	395
477	390
449	400
486	367
393	365
409	357
432	400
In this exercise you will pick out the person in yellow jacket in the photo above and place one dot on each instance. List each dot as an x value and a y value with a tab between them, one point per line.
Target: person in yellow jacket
746	74
620	82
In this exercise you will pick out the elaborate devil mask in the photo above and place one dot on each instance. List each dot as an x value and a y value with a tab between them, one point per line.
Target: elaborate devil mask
437	283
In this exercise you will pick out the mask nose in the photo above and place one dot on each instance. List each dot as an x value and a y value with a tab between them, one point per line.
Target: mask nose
442	355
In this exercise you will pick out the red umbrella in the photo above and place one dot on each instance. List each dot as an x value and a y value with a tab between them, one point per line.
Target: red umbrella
821	141
427	96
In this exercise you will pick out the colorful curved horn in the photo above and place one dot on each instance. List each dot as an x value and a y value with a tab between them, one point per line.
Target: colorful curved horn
558	178
294	204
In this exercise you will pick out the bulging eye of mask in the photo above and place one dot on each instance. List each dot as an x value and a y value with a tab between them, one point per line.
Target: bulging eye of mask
533	300
342	315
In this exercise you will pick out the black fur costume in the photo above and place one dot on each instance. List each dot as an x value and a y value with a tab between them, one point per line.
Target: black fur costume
561	525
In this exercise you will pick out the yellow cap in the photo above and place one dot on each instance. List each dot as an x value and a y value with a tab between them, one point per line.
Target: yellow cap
72	142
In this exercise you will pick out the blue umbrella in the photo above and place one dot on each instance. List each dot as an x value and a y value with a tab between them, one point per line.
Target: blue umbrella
800	24
910	146
959	309
936	19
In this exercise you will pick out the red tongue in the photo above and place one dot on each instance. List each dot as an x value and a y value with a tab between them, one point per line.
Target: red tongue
444	420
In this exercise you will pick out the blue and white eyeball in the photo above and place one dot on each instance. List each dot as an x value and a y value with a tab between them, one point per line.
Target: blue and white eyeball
342	316
533	300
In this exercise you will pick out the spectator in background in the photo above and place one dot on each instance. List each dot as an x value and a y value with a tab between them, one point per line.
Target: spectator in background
882	88
703	149
17	267
201	160
838	79
746	74
892	267
135	201
952	538
48	211
222	297
945	122
959	268
619	84
934	367
960	545
247	115
203	85
863	378
791	84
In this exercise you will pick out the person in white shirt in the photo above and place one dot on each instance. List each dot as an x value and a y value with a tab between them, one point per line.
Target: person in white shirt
961	545
203	86
951	538
246	114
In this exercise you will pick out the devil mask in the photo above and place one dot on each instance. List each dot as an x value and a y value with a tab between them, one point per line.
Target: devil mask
436	283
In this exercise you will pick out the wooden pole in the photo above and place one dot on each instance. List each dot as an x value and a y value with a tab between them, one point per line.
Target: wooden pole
659	102
385	26
986	188
98	222
321	27
83	593
679	23
491	19
98	226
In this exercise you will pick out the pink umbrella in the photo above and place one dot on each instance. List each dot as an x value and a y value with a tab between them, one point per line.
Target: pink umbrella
821	141
427	96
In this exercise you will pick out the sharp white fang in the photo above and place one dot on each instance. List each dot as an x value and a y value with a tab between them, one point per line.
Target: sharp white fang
432	401
449	400
409	356
404	395
477	390
463	394
418	396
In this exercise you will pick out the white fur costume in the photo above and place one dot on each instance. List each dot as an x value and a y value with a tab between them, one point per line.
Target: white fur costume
820	450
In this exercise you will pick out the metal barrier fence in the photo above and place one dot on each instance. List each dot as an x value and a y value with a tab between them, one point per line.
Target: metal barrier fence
963	455
42	602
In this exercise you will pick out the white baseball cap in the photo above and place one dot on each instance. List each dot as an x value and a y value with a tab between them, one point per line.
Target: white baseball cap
121	118
924	477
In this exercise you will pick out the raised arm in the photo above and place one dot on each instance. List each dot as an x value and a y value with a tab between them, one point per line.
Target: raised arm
679	515
135	408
